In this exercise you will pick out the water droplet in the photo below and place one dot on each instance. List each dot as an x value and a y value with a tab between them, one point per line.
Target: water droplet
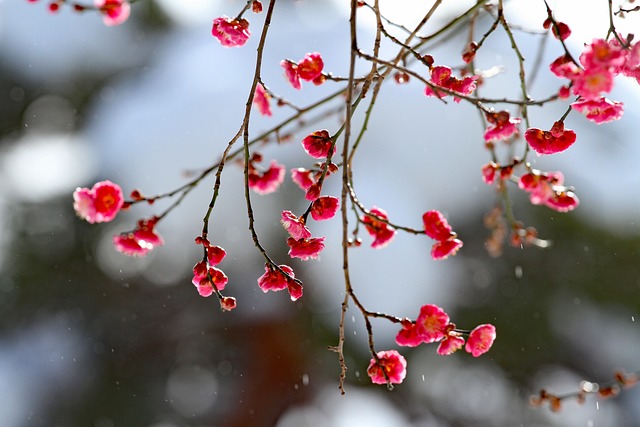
305	380
422	377
518	272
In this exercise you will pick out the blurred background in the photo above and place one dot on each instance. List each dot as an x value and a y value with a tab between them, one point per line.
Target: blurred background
89	337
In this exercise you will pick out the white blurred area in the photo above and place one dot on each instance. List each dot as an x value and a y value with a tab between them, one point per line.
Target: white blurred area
172	103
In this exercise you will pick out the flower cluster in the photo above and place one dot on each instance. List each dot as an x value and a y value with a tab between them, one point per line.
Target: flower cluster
545	188
207	278
437	227
600	62
114	12
308	68
301	243
101	203
433	325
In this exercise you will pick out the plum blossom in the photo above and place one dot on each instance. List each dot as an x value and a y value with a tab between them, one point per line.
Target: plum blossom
140	241
265	182
441	76
480	339
437	227
502	126
262	100
318	144
450	344
432	323
207	278
545	188
324	208
308	68
391	367
295	226
599	111
228	303
114	12
382	232
551	141
101	203
231	32
274	280
305	248
408	335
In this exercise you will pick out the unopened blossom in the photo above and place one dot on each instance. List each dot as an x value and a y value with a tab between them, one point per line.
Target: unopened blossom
480	339
324	208
231	32
291	73
313	192
305	248
502	126
408	335
443	249
262	100
265	182
432	323
489	172
114	12
552	141
441	76
294	225
310	67
139	241
450	344
391	367
560	30
318	144
381	232
600	110
101	203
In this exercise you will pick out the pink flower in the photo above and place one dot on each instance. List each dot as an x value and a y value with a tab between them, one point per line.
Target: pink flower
227	303
432	323
382	232
590	83
231	32
215	255
318	144
603	54
408	335
481	339
310	67
262	100
391	367
305	248
502	127
631	67
539	185
436	225
324	207
563	66
215	279
101	203
291	73
441	76
274	280
128	245
115	12
294	225
450	344
442	250
599	111
563	200
489	172
303	178
268	181
556	140
139	241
